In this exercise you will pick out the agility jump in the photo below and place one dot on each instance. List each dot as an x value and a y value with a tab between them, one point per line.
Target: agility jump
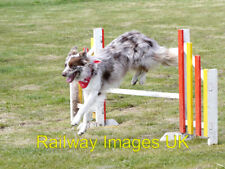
185	95
186	61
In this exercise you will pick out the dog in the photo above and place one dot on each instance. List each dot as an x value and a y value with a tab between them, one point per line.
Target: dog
96	74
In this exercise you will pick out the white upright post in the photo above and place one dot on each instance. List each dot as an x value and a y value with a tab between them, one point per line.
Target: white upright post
98	45
186	39
100	111
98	42
212	91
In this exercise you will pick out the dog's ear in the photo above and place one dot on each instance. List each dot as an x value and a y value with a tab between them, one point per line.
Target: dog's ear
73	51
83	54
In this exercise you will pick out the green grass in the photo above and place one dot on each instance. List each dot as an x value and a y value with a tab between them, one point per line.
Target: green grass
35	37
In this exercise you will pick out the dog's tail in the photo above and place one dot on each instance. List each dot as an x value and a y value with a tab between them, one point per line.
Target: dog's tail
166	56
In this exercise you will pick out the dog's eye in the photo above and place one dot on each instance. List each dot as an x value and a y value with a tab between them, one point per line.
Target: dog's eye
65	64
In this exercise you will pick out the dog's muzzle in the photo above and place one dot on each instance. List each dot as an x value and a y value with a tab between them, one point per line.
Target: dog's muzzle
71	77
64	74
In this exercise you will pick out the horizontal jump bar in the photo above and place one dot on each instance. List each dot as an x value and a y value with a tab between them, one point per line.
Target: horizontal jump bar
144	93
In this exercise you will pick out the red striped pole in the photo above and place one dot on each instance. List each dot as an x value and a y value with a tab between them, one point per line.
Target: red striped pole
105	112
181	80
198	95
103	39
103	45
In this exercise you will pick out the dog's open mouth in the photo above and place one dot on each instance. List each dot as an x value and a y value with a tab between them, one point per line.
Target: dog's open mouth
71	78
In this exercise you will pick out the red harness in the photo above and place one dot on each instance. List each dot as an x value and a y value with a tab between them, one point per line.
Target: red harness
86	81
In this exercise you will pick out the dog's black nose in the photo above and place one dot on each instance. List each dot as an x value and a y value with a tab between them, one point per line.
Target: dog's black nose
63	74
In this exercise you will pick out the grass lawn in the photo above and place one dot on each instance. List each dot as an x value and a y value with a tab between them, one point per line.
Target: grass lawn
35	37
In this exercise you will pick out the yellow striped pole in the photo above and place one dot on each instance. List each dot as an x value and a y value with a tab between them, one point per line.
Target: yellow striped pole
205	102
189	89
92	43
80	93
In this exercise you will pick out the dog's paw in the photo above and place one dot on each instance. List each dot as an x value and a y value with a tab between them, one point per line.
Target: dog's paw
75	120
82	128
80	133
79	126
134	81
142	80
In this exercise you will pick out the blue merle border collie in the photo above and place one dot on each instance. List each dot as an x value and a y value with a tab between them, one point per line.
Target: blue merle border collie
96	74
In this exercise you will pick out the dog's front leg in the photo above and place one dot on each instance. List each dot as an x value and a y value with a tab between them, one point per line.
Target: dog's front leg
88	103
83	126
89	115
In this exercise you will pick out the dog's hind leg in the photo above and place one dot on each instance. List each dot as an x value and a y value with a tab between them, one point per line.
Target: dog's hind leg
142	78
135	77
139	75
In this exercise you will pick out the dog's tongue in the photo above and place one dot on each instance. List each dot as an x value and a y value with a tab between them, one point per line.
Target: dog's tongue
69	79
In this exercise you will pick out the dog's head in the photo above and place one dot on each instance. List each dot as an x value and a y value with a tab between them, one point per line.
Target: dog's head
75	65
